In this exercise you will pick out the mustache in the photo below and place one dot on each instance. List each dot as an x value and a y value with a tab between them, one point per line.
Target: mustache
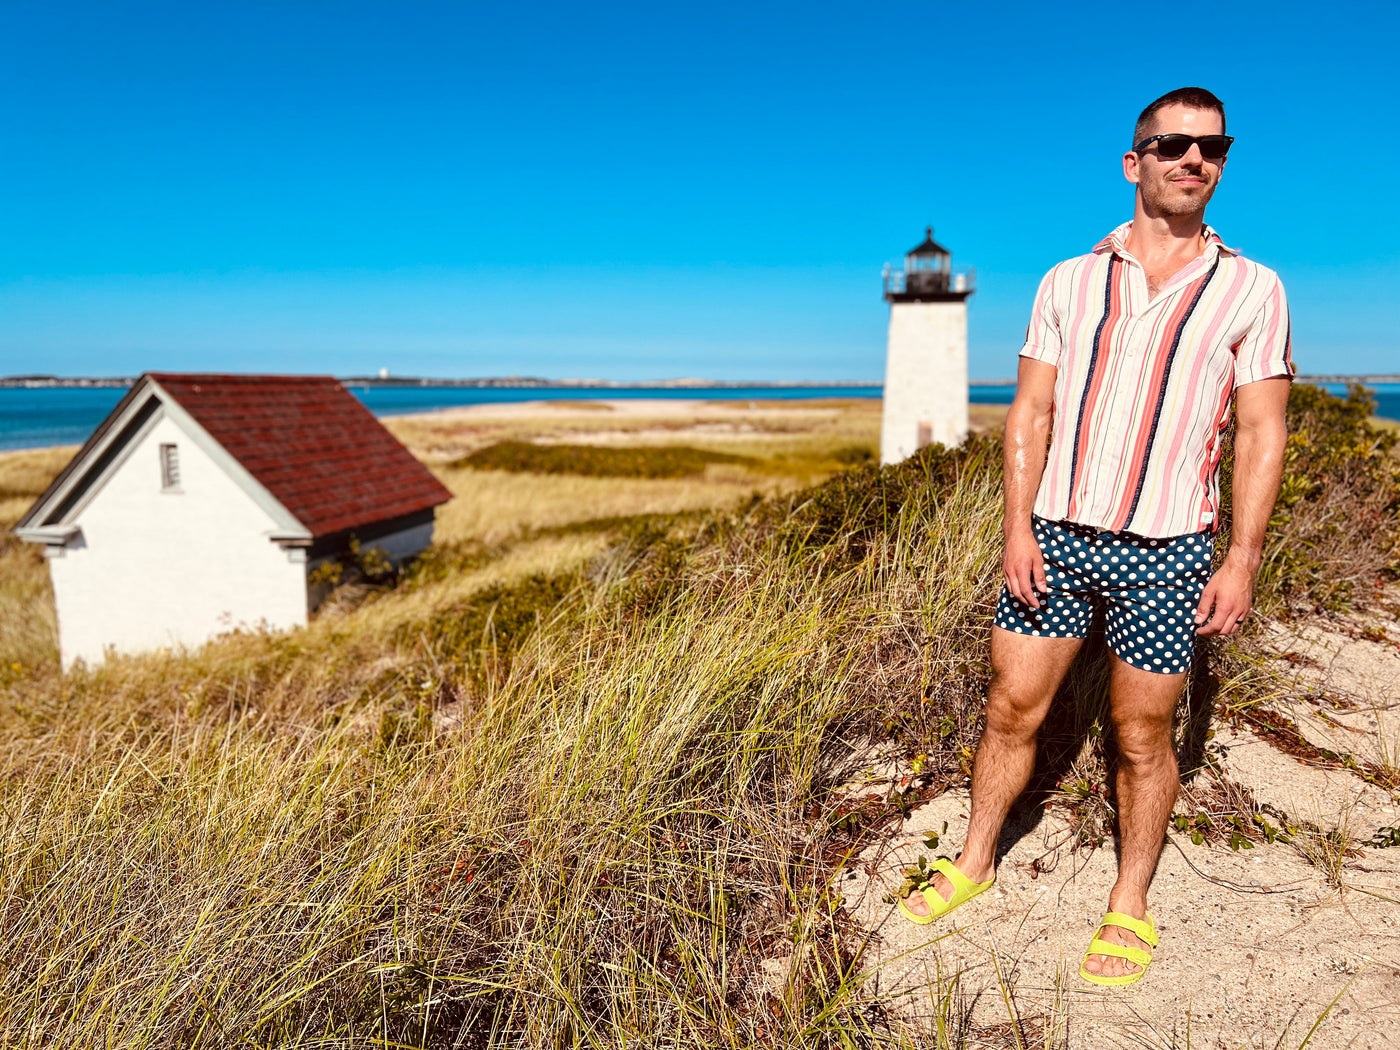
1189	173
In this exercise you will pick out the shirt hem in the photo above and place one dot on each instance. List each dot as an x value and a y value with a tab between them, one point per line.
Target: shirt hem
1098	527
1273	372
1040	353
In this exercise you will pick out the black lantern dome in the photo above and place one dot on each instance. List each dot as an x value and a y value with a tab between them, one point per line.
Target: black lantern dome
928	275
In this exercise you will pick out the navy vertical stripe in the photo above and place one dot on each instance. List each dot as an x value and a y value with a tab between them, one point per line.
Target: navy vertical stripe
1089	379
1162	394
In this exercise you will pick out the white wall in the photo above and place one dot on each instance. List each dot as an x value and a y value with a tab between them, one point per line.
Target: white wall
157	568
925	378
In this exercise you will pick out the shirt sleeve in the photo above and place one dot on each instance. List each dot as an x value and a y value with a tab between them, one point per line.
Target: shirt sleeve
1043	341
1266	349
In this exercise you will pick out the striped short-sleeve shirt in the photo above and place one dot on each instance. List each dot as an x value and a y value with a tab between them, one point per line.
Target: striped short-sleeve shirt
1143	388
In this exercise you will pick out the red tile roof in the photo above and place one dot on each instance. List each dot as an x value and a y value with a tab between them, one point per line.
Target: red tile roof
312	444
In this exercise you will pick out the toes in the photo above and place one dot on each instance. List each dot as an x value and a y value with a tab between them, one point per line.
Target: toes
1110	966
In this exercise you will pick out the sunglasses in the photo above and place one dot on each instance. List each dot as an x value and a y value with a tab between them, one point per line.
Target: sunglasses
1173	147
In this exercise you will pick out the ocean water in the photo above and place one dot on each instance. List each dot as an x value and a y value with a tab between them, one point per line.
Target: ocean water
33	418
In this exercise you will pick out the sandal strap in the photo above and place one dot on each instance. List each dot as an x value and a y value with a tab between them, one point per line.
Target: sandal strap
1145	929
1119	951
962	885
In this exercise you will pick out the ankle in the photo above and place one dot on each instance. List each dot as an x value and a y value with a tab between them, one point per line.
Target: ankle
976	866
1128	901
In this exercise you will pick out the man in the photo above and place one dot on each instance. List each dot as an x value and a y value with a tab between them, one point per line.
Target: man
1133	353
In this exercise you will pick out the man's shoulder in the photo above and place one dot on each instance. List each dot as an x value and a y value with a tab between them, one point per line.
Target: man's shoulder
1074	265
1065	273
1256	272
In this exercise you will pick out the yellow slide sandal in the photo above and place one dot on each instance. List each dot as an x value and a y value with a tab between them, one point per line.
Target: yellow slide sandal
964	889
1145	929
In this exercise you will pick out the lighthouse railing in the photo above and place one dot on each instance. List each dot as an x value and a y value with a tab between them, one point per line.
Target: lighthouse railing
958	281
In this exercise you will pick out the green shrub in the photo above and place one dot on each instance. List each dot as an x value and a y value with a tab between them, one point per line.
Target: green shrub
854	510
1335	530
666	461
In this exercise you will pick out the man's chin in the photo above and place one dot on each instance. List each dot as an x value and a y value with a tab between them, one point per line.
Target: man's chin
1183	203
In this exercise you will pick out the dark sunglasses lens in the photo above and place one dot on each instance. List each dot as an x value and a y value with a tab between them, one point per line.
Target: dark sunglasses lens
1213	147
1170	147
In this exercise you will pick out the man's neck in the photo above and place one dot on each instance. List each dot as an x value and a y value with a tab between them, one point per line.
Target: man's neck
1166	236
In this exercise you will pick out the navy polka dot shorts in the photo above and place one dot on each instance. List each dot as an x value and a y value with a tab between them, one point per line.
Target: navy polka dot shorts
1147	588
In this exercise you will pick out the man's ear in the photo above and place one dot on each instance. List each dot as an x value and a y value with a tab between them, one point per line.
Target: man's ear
1130	166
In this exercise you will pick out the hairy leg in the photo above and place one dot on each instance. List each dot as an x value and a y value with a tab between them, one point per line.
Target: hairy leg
1026	671
1148	779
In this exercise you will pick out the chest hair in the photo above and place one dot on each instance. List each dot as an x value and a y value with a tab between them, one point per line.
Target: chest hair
1158	277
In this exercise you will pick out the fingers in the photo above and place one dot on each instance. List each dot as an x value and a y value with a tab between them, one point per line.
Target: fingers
1025	579
1204	608
1221	610
1013	584
1023	565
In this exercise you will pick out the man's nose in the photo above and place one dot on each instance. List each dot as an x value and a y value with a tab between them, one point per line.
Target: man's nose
1193	156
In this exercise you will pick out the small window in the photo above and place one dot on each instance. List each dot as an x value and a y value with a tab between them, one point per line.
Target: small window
169	468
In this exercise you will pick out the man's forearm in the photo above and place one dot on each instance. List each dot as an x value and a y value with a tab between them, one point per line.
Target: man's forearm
1027	432
1258	470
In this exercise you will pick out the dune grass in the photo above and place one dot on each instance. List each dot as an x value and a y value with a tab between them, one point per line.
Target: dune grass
558	787
266	840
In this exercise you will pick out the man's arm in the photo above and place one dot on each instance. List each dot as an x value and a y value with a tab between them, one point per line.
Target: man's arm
1027	432
1260	437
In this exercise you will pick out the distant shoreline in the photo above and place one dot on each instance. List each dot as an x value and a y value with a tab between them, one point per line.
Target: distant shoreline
490	382
39	382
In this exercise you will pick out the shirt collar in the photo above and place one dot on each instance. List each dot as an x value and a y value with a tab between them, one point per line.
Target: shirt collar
1118	238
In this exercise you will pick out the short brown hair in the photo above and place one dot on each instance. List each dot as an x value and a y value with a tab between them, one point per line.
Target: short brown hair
1195	97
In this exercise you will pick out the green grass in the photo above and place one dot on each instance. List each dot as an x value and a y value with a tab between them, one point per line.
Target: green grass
663	461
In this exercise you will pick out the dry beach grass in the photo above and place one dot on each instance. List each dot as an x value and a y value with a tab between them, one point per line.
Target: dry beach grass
628	760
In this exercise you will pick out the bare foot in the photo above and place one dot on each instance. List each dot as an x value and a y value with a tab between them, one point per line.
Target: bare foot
940	885
1112	965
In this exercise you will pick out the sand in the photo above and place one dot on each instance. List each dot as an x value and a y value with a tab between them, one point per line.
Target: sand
1256	944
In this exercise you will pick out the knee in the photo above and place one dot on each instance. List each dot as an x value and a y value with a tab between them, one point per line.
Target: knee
1012	712
1143	741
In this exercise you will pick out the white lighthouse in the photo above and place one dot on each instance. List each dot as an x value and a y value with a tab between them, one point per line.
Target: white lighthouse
926	364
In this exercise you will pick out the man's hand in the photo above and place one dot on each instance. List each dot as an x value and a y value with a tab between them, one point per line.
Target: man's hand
1226	600
1024	567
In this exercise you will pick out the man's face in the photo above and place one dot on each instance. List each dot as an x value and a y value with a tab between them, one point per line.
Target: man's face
1184	185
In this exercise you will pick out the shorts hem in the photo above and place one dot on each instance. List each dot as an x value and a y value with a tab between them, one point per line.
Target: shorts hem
1155	670
1039	633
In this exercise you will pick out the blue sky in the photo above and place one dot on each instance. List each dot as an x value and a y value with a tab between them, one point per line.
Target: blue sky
640	191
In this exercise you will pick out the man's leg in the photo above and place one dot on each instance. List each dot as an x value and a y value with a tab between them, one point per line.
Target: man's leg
1026	671
1142	705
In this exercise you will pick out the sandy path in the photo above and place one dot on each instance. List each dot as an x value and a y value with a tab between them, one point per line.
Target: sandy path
1253	943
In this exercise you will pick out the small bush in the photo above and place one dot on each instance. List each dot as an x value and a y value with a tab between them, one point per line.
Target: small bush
668	461
856	509
1335	530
